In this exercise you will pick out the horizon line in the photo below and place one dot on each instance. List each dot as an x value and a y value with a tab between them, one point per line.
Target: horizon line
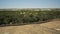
13	8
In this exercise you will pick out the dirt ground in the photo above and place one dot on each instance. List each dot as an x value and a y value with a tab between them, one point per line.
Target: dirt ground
52	27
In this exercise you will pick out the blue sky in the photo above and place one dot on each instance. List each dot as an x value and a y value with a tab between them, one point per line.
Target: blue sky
29	3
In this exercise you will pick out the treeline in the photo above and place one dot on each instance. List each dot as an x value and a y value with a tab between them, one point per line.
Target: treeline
26	16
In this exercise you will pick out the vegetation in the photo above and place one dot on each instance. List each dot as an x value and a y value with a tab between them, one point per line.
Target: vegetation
27	16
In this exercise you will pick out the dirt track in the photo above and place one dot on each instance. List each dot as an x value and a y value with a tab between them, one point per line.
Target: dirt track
45	28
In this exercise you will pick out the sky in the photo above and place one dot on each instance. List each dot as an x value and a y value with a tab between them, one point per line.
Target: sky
29	3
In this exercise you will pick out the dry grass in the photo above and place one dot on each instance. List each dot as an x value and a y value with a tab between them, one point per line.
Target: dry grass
45	28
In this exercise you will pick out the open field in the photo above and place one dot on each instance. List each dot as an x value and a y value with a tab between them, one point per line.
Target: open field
30	22
52	27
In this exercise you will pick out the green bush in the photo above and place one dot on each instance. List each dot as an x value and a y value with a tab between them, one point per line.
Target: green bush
27	16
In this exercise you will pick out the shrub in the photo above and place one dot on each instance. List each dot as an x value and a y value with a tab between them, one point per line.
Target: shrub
29	16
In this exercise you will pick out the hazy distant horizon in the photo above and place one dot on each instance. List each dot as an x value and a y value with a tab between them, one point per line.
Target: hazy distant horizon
29	4
26	8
